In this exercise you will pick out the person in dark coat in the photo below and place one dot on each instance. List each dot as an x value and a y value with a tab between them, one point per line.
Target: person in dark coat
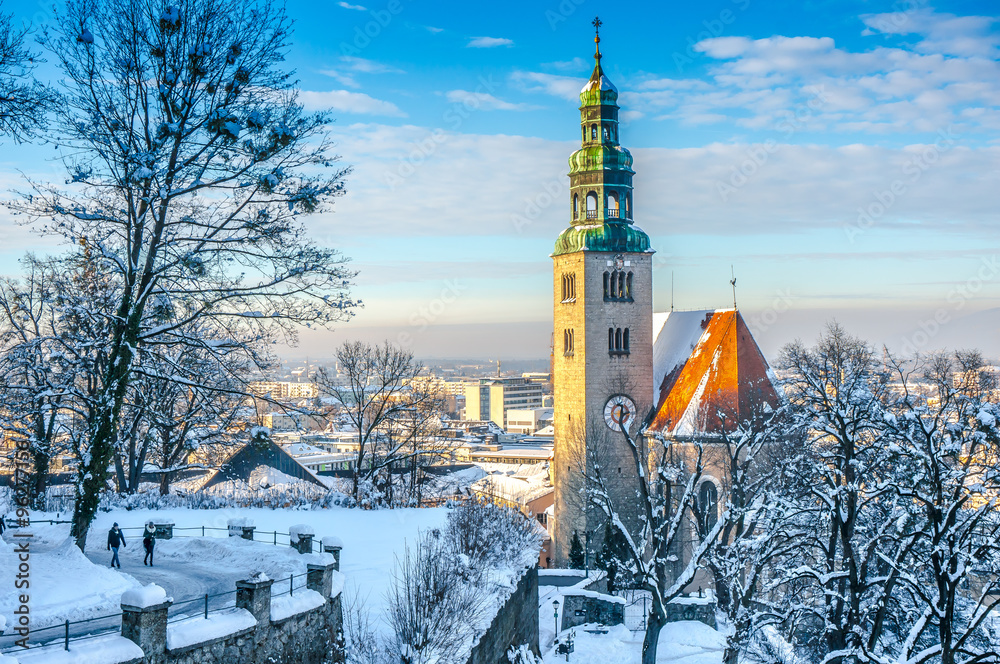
116	539
148	541
3	523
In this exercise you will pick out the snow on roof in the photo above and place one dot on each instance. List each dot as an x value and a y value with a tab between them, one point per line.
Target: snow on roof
713	384
515	489
602	81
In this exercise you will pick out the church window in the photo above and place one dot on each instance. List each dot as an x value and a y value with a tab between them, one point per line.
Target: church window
607	286
591	205
613	204
605	134
593	132
611	339
708	502
618	286
625	340
618	339
576	205
567	342
628	286
628	206
569	288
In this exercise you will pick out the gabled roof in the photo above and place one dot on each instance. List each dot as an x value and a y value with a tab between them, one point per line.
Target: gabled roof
709	374
248	461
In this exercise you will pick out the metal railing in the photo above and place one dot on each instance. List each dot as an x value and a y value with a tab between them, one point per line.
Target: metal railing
271	537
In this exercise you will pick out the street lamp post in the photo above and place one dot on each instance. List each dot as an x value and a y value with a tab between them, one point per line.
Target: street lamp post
555	617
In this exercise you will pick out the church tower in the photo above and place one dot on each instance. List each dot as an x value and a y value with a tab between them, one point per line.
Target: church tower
603	301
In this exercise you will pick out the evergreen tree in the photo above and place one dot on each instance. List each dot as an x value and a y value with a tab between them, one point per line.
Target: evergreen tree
576	552
611	558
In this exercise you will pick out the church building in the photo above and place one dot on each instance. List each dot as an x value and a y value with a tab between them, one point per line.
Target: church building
677	376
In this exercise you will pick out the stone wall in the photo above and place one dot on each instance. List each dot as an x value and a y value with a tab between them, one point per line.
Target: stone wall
246	634
516	623
580	607
691	609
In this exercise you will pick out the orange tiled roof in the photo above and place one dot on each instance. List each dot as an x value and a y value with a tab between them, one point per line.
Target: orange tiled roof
724	380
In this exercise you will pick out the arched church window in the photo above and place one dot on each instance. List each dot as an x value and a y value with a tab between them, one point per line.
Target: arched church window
625	340
607	286
628	286
591	205
593	132
567	342
613	204
628	205
620	290
611	339
605	133
576	205
618	339
708	502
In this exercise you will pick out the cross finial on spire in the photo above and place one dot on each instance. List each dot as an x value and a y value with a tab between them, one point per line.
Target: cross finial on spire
597	23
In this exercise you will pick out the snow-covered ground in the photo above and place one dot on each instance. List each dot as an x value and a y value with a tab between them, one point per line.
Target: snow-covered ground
685	642
68	585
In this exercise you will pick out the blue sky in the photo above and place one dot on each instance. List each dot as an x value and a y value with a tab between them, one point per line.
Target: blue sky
842	156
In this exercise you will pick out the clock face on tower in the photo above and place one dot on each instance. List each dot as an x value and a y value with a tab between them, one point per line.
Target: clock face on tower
619	410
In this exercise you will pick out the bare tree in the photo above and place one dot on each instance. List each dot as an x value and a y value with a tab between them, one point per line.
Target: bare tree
191	162
374	391
23	101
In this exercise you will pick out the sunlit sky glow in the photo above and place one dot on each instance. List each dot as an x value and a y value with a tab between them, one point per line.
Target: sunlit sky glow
762	131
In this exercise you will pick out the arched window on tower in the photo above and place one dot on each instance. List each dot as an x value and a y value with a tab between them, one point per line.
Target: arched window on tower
576	205
593	132
591	205
607	286
628	286
708	504
618	339
618	286
567	342
621	286
625	340
628	205
605	133
613	204
611	339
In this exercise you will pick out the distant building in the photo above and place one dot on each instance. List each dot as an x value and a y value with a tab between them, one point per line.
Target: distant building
528	420
491	398
283	389
292	421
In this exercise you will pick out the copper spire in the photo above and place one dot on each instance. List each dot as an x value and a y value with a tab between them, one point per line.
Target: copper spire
597	23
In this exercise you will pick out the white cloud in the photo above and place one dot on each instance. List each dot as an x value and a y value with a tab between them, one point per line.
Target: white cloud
346	5
485	102
576	64
489	42
431	28
943	33
349	65
565	87
345	101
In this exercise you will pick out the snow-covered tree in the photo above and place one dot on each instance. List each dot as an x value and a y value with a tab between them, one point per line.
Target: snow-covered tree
950	441
191	163
23	101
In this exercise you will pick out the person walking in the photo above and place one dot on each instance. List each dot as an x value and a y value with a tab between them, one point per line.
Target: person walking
116	539
148	541
3	523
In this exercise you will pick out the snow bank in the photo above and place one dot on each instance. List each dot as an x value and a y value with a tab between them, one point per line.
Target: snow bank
300	529
286	606
65	585
110	649
144	596
218	625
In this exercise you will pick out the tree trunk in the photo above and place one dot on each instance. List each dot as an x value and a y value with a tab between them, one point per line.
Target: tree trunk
165	483
41	469
652	639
